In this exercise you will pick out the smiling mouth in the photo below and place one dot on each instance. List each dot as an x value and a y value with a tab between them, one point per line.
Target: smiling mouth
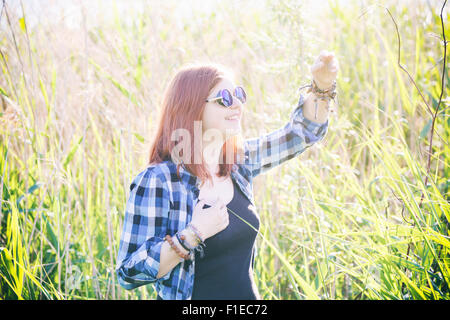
232	118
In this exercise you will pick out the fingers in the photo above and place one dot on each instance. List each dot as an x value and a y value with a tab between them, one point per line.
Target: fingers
225	218
334	67
201	203
222	208
317	66
326	56
219	203
325	68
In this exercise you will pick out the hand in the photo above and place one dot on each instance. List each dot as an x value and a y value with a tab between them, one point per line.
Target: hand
324	70
211	220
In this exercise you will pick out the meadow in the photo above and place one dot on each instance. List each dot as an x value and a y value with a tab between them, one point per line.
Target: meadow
364	214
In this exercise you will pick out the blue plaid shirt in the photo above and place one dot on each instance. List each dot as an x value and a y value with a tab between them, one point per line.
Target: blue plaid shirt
160	204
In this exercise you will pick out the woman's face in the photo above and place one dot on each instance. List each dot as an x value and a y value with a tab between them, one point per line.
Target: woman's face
215	115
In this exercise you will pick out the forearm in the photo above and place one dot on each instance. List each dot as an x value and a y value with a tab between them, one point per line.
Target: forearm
169	259
309	109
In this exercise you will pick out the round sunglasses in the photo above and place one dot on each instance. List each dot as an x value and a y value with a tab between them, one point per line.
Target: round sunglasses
225	99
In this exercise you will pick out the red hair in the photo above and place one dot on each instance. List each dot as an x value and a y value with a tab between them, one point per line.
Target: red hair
183	103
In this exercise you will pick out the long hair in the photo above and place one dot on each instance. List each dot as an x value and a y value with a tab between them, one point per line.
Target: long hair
183	103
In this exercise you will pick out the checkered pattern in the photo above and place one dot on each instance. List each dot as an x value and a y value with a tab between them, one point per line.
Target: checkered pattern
269	151
160	203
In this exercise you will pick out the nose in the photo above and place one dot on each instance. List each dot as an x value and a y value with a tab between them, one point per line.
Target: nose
237	104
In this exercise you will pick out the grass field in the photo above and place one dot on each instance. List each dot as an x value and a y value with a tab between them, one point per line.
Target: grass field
362	215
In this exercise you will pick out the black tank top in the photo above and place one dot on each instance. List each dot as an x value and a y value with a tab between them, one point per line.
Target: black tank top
226	270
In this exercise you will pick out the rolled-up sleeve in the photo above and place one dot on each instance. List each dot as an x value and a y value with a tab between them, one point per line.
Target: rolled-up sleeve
144	228
269	151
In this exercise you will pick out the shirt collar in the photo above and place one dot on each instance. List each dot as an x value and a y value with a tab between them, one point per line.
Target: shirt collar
193	182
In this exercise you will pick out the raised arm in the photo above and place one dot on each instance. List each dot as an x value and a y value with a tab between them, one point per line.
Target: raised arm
308	123
271	150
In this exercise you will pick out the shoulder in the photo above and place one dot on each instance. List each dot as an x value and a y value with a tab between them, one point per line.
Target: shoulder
155	174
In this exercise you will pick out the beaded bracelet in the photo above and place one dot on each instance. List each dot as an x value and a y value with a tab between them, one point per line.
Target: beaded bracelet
193	236
197	233
181	239
175	248
331	92
325	95
198	238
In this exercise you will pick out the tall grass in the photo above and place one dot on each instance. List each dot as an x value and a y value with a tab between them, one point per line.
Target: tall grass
344	221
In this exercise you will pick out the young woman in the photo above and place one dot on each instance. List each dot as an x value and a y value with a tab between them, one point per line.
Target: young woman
190	221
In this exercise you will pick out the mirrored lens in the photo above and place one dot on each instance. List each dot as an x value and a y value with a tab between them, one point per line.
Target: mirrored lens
227	100
240	94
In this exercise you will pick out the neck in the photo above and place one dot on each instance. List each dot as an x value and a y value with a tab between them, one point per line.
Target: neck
211	156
